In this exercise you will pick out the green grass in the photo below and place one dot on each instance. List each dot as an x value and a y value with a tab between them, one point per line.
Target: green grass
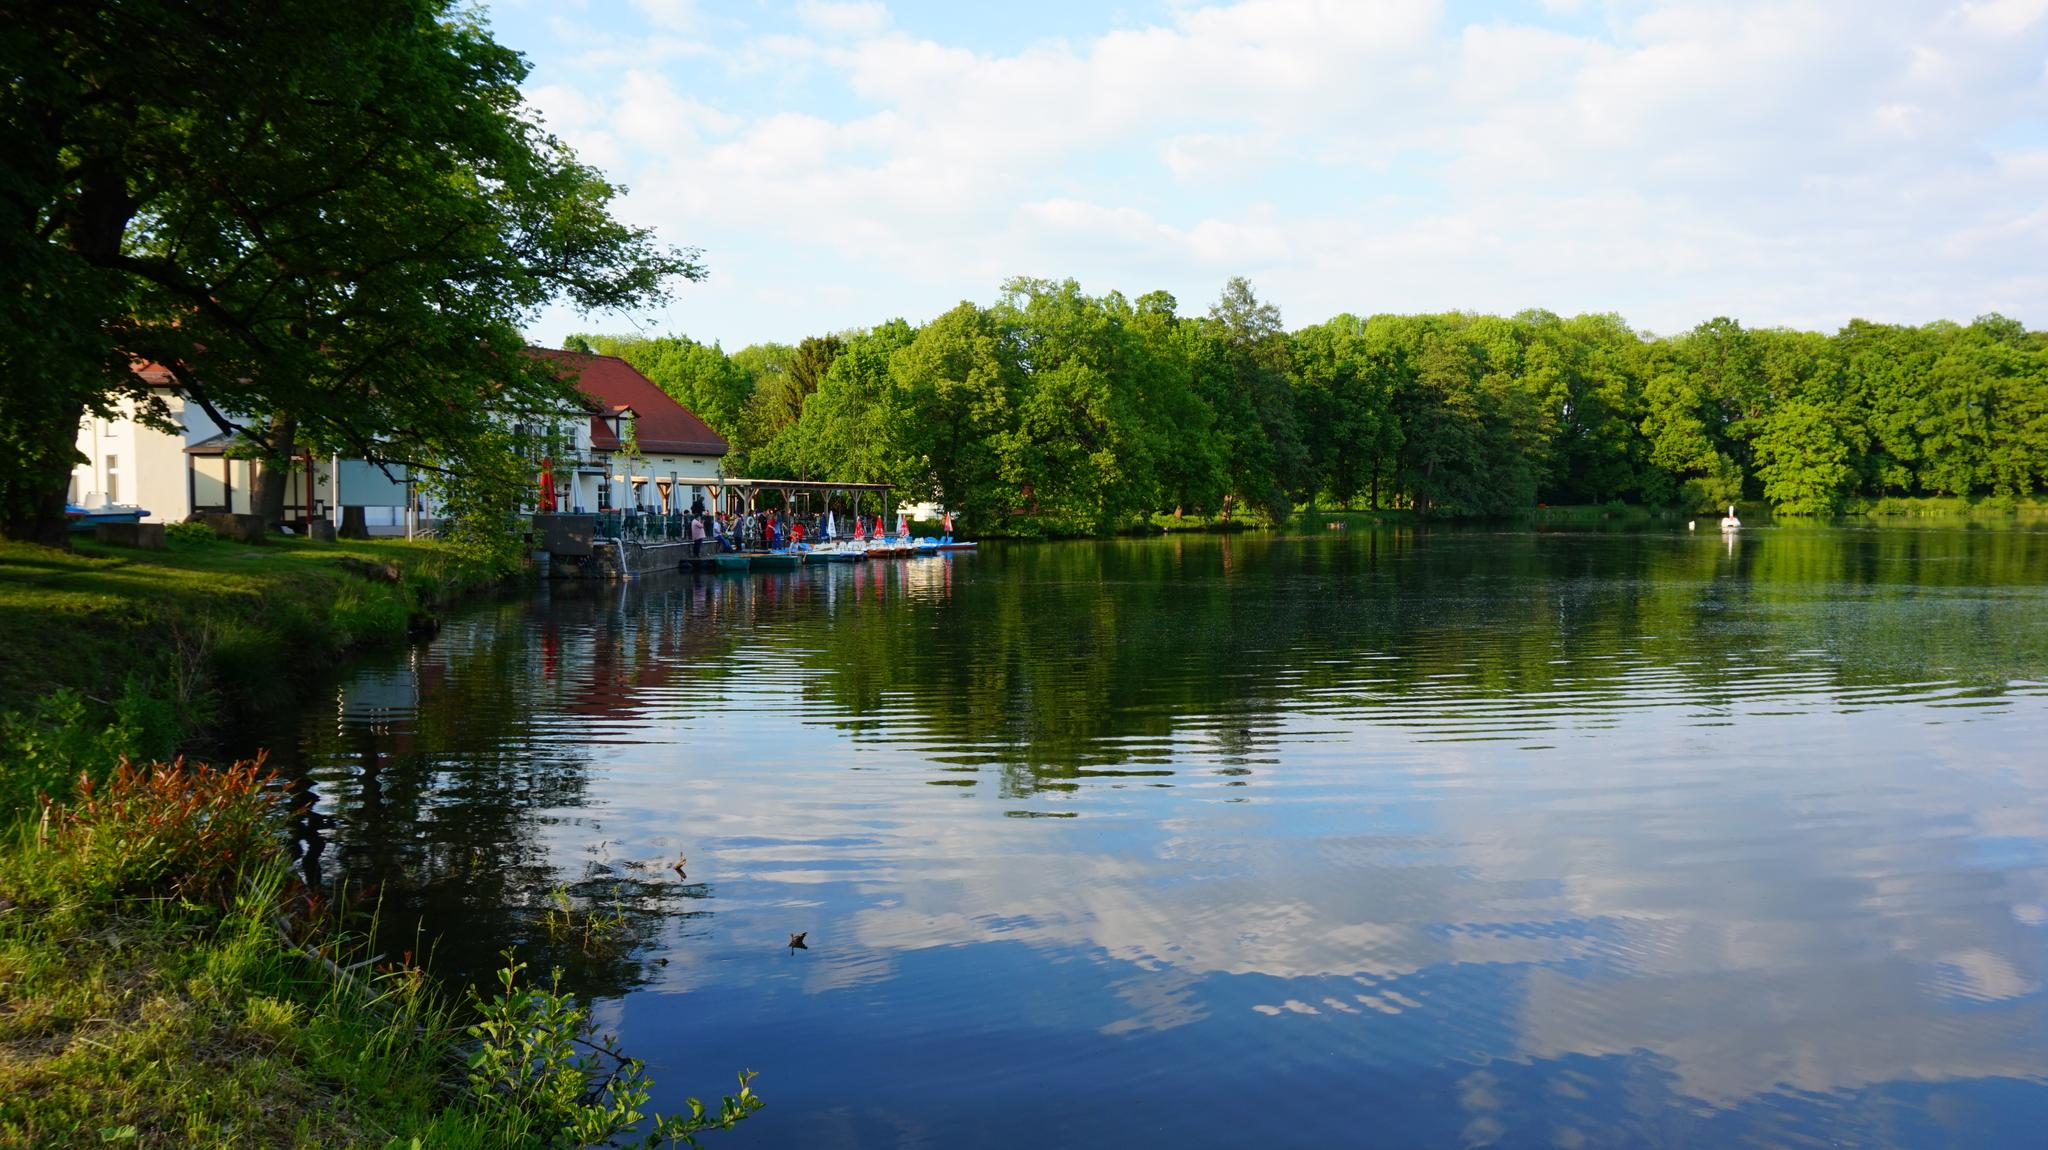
1320	518
208	621
150	996
1994	507
149	992
1597	515
164	984
157	1024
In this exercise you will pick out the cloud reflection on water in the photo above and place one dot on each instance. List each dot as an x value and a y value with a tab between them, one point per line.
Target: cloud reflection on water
1837	886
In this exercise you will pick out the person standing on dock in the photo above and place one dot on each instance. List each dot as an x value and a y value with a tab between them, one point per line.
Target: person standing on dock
697	534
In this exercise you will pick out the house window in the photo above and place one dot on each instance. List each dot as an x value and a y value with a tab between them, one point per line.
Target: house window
604	493
113	479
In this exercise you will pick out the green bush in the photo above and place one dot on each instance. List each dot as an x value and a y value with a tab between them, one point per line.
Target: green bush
181	535
538	1080
47	750
186	831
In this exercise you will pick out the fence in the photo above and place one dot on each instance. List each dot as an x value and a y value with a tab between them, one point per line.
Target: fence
643	526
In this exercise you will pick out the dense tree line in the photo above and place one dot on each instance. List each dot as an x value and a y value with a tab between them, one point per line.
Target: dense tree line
1057	412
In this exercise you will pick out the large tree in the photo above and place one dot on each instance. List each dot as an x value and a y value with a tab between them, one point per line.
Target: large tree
325	220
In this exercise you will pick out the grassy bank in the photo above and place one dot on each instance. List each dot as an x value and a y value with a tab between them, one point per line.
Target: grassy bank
162	980
163	984
1983	508
1931	509
209	623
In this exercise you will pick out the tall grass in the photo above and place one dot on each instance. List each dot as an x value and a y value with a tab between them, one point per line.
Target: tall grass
165	982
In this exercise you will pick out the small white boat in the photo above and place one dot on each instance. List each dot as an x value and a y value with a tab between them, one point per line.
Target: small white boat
86	518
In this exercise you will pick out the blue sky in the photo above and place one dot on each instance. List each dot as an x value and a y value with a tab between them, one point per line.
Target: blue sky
1789	162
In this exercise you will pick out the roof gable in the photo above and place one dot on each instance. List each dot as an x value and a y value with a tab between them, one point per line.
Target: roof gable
663	426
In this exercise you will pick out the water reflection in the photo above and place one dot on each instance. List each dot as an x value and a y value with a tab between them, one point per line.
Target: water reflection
1411	838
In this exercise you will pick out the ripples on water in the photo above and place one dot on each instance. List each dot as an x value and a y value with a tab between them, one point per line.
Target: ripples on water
1388	839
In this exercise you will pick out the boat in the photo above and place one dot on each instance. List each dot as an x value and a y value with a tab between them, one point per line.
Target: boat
84	519
732	561
776	560
832	554
953	546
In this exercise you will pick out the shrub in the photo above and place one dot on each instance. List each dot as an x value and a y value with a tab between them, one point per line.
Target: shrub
538	1080
46	750
190	534
167	828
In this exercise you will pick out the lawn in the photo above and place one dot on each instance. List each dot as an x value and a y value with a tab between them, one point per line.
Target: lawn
207	616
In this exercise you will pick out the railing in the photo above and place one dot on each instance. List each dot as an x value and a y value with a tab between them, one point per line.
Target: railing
643	526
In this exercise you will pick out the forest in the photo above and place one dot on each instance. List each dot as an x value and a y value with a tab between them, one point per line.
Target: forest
1053	412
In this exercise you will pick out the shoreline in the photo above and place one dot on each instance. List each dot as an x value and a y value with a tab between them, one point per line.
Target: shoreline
164	978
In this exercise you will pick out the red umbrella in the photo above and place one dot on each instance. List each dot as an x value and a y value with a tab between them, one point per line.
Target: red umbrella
547	485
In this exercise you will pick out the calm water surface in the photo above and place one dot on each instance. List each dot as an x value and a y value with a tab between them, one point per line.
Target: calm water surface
1395	839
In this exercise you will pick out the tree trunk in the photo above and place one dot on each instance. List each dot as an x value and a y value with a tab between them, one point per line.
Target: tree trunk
270	484
33	490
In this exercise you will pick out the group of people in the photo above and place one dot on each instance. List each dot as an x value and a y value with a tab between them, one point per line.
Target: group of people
777	530
780	530
772	530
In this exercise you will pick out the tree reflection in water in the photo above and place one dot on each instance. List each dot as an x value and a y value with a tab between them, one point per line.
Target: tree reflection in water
1682	825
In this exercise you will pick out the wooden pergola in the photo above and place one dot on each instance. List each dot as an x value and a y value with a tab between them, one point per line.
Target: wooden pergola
739	495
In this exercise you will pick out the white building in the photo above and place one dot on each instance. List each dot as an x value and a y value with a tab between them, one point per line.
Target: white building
173	475
680	459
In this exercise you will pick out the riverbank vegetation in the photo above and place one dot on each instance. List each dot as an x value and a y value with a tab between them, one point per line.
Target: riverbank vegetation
164	979
1055	412
164	982
207	625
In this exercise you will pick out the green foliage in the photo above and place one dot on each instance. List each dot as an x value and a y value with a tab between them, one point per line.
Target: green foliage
327	221
481	491
62	739
1802	460
537	1079
595	931
171	829
162	982
188	534
1052	412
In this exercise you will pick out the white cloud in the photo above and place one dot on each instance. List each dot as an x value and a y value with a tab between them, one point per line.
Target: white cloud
2003	17
1799	161
681	15
1204	156
864	18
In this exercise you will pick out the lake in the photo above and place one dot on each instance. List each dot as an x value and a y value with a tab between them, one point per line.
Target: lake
1373	837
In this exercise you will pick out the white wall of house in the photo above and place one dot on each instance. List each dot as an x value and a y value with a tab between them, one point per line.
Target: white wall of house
608	480
134	465
140	466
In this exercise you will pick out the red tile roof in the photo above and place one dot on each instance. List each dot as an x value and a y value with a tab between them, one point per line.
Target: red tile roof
665	427
152	374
